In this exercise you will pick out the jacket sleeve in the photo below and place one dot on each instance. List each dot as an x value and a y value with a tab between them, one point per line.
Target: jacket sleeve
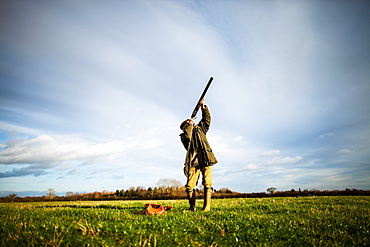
186	136
205	122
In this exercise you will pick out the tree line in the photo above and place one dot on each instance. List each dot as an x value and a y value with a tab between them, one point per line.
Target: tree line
173	193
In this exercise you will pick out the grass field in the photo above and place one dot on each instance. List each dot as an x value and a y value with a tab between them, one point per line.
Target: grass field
306	221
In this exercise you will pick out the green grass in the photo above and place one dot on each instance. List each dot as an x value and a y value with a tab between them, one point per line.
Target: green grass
314	221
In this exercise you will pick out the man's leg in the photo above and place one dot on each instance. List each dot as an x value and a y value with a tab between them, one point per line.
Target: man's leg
192	200
190	185
207	183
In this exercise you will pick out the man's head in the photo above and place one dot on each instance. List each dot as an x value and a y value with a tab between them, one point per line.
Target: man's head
186	123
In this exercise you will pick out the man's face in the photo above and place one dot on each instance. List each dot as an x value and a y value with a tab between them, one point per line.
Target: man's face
189	121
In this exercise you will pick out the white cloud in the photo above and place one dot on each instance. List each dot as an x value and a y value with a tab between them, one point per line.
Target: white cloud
271	153
345	151
152	143
284	160
251	167
326	135
51	150
239	138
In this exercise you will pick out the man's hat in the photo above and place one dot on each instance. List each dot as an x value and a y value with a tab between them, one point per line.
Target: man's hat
183	124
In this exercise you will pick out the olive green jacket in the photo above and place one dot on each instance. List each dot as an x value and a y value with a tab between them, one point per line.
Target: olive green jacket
199	152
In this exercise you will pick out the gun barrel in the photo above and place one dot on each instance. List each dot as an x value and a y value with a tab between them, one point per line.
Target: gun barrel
195	111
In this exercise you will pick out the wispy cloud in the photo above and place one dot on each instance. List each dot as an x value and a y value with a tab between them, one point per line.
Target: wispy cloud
345	151
47	149
46	154
271	153
284	160
326	135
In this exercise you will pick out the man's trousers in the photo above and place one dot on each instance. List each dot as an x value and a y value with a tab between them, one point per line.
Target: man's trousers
193	178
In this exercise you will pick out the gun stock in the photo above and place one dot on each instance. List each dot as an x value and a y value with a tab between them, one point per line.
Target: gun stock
195	111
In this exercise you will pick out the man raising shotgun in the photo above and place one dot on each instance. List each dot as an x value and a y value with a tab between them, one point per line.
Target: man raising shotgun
199	157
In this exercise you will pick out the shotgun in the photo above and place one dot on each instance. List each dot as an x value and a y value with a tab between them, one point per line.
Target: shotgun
201	97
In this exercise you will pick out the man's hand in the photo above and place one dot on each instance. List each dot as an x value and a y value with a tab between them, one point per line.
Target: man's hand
202	104
191	121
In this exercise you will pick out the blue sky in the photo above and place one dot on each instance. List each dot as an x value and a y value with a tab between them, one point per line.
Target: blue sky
93	92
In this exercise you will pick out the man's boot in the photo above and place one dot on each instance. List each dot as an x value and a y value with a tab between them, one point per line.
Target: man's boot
192	200
207	199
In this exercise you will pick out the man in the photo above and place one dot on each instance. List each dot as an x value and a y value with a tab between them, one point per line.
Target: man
199	157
